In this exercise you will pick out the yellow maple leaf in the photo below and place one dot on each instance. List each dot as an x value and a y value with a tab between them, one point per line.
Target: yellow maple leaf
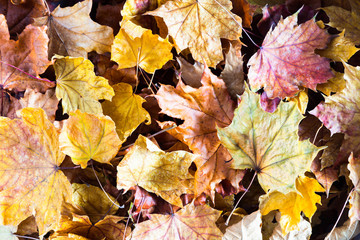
293	203
107	228
342	19
78	86
339	49
95	202
147	166
73	33
126	110
335	84
260	140
199	25
150	52
31	181
87	136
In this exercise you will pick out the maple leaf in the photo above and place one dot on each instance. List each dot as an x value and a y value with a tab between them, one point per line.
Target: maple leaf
199	25
47	102
339	113
29	170
335	84
293	203
189	223
354	168
147	166
339	49
78	86
268	154
87	136
286	59
150	52
202	110
126	110
248	228
18	16
23	60
95	202
73	33
342	19
106	228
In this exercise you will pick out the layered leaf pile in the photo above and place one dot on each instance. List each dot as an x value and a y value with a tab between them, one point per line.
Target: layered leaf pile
179	119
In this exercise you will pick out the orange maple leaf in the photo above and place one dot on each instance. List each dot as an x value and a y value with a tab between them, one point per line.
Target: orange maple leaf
23	60
202	110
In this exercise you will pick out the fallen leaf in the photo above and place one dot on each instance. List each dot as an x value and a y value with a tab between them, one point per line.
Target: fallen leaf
329	156
293	203
106	228
340	113
339	49
326	177
23	60
87	136
150	52
191	222
126	110
354	168
28	227
303	233
137	7
243	9
8	104
333	85
191	74
199	25
20	15
286	59
78	86
94	201
48	102
268	153
32	182
73	33
233	74
267	104
103	12
202	110
301	100
342	19
147	166
347	231
248	228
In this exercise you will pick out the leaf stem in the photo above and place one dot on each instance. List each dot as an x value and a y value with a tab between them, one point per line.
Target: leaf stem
246	190
92	166
342	210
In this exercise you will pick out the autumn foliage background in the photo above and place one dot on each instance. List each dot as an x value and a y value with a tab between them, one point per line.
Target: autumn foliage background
183	119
